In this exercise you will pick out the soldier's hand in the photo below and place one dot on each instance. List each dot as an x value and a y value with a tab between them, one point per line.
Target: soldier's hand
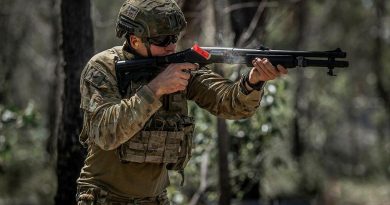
263	70
172	79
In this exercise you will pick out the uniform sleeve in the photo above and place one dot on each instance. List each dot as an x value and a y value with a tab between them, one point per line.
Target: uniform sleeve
222	97
109	120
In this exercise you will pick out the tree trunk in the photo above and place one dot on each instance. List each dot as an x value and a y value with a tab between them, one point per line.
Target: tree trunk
10	44
247	20
77	47
223	169
56	85
300	19
223	136
5	71
379	70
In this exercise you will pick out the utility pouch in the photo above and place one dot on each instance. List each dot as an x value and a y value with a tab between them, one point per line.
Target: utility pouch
152	147
185	151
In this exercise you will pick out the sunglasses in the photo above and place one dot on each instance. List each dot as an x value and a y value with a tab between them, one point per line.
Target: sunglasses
163	41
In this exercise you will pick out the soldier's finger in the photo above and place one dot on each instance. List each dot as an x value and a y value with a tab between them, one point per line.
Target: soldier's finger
254	62
183	75
270	68
282	69
187	66
258	65
263	70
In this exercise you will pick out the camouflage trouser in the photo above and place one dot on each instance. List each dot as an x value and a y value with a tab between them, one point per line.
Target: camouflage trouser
97	196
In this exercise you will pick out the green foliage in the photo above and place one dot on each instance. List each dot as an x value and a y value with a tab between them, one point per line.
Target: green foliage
24	172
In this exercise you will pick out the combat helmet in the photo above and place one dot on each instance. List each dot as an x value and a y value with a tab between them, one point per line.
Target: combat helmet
150	18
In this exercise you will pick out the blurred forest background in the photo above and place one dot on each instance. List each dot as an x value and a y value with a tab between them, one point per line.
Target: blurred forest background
315	140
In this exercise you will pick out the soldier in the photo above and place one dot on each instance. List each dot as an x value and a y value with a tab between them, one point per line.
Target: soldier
135	137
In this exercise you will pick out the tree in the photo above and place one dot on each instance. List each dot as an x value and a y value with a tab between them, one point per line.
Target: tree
300	18
77	48
10	45
247	19
55	88
379	69
223	143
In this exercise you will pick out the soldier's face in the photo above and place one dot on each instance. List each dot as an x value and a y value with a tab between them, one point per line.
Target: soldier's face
141	49
163	51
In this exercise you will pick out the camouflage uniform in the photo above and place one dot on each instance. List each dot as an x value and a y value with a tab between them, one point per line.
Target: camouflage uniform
133	140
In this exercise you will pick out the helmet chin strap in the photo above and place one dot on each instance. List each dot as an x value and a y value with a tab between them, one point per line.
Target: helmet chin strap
147	45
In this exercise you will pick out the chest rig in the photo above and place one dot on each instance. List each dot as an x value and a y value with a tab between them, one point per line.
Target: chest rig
167	136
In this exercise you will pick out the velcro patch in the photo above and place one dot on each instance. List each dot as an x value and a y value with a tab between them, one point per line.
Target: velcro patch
94	77
132	12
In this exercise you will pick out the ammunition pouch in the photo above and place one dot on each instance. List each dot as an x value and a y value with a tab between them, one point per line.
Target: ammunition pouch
168	147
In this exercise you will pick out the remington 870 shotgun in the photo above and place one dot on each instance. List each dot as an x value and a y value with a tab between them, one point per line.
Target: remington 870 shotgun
209	55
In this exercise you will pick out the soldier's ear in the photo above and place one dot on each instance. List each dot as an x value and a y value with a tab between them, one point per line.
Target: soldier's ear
135	41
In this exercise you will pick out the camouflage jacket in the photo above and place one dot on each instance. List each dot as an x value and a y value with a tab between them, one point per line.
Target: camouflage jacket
110	121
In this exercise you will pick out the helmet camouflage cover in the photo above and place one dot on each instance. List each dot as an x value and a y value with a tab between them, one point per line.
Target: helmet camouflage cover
150	18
